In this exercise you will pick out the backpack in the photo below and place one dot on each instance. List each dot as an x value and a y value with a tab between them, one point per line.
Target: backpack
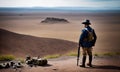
90	36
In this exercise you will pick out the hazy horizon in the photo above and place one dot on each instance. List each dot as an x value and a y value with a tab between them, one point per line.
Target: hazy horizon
60	3
58	9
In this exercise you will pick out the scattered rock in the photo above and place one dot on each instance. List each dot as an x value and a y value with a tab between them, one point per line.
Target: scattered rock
11	64
36	61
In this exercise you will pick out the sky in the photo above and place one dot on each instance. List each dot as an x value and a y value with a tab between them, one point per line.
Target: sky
60	3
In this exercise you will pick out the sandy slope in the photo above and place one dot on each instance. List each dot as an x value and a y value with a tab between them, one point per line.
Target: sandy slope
21	45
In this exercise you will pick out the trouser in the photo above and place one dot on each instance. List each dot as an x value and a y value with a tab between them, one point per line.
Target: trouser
85	52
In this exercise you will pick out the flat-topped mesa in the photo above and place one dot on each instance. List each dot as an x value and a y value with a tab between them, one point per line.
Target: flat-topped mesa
54	20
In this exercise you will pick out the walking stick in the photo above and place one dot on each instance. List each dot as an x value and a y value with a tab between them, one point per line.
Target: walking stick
78	55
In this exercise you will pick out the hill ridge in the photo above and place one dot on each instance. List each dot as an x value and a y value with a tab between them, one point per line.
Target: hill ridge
22	45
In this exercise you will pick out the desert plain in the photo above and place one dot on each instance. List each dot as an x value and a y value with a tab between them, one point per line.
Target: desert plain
105	24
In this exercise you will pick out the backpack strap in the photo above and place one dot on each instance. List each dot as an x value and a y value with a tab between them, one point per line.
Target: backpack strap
89	33
88	30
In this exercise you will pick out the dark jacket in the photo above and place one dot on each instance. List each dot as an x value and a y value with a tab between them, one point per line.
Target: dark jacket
84	35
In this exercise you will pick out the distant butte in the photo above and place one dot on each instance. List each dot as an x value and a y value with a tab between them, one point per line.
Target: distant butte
54	20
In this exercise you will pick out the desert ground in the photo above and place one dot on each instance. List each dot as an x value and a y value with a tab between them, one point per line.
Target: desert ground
68	64
106	26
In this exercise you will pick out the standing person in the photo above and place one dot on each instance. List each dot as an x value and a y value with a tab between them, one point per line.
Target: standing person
87	41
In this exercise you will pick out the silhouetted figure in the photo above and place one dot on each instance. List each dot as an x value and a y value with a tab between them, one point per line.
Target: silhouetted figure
87	41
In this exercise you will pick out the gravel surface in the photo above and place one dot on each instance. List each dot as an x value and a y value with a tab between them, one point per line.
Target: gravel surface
68	64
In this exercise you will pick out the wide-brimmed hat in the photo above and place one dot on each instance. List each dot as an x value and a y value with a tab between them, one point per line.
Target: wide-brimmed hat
86	22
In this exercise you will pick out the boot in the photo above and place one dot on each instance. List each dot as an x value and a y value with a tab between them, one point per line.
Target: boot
90	61
83	61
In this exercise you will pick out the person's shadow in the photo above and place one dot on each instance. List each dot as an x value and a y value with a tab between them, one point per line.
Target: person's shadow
47	65
106	67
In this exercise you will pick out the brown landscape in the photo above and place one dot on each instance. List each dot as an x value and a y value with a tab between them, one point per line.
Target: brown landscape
24	34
